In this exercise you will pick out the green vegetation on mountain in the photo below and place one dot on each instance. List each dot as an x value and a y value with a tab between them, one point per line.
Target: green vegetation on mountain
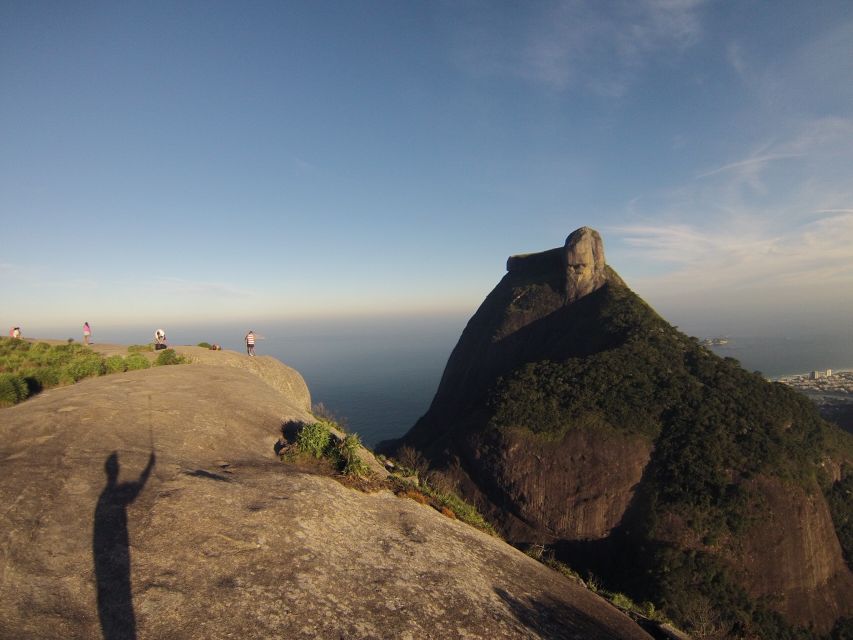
27	368
714	427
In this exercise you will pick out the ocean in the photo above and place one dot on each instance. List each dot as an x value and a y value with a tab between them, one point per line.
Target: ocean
790	355
379	377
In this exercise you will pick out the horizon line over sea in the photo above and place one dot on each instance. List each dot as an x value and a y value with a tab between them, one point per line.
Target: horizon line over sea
380	378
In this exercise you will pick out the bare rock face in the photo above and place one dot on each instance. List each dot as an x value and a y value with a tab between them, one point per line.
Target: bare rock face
791	557
579	264
585	268
150	504
593	474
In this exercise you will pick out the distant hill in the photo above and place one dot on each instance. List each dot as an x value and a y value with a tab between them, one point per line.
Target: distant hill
574	415
151	504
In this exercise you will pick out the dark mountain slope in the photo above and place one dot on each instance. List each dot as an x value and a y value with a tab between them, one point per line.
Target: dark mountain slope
576	416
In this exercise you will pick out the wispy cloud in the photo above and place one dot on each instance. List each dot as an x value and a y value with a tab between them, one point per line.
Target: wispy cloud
779	219
735	56
816	253
749	166
571	43
811	78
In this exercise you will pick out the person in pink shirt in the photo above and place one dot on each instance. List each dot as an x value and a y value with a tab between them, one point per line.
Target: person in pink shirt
87	332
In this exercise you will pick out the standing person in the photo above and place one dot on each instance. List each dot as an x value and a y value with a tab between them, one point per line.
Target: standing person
250	343
87	332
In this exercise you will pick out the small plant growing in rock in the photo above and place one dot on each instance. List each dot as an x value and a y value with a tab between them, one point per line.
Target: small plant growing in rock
463	511
350	462
314	439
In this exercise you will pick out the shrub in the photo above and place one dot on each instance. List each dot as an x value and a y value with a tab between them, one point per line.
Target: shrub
168	356
136	361
314	439
85	367
114	364
13	389
204	345
12	345
624	602
347	452
41	366
136	348
46	377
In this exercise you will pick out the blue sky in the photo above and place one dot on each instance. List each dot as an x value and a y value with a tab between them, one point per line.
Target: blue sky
262	161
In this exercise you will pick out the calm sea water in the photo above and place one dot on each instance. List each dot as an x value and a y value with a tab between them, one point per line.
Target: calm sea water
784	356
381	378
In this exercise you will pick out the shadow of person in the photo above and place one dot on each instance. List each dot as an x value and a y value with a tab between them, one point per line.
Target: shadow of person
111	552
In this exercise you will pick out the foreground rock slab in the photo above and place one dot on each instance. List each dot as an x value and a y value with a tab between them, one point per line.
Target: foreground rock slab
151	505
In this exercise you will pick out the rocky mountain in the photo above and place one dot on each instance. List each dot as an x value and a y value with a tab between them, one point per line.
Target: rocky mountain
575	416
151	504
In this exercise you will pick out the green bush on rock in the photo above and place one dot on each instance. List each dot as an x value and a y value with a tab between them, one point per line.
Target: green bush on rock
314	439
349	460
13	389
115	364
167	357
136	361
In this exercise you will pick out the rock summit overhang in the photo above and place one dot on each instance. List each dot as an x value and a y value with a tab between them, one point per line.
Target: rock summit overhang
580	262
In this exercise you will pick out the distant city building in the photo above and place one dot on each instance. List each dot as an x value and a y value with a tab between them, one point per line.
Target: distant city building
815	375
829	373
